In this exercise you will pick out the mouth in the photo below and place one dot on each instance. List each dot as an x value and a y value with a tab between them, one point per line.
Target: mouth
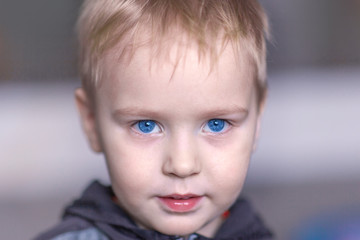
180	203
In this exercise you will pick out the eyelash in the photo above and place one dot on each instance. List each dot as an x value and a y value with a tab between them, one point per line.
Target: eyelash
227	126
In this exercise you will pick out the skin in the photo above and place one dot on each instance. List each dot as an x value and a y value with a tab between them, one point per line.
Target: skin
182	156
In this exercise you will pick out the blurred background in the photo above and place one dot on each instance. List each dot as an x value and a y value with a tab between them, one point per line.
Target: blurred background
306	166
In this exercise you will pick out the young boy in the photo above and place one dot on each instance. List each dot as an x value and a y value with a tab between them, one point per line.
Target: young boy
172	96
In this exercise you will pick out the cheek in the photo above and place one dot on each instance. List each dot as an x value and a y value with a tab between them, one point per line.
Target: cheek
228	165
131	165
228	179
131	171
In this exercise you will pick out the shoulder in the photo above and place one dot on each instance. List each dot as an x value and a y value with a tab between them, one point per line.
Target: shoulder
243	222
85	234
72	229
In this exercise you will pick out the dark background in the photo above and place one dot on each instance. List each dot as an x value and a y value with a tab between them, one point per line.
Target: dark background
38	41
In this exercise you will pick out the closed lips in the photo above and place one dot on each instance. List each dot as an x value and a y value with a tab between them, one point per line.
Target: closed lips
180	203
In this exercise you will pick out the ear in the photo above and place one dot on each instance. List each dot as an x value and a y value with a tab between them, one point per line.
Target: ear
88	119
258	122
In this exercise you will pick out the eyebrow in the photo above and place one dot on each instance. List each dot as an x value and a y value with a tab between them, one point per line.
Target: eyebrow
136	111
211	113
218	112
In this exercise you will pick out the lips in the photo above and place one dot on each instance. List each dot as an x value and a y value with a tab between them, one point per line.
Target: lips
180	203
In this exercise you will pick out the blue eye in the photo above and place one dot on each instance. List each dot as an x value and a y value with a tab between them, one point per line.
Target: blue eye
215	125
147	126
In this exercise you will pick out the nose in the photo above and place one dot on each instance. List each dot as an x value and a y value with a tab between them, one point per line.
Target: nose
182	158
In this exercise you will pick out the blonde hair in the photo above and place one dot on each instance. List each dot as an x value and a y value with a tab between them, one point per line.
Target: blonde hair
105	23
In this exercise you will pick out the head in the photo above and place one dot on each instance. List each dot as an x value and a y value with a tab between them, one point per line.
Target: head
172	95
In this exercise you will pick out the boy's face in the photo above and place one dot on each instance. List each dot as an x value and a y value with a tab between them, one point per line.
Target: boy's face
177	143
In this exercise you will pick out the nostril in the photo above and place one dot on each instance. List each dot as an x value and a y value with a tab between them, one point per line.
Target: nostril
181	168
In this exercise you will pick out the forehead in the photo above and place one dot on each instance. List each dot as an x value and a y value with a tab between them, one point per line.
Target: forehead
180	76
178	54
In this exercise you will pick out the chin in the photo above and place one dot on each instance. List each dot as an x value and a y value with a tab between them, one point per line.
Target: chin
180	229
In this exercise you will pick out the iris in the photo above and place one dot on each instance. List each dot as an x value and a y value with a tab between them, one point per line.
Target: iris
146	126
216	125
